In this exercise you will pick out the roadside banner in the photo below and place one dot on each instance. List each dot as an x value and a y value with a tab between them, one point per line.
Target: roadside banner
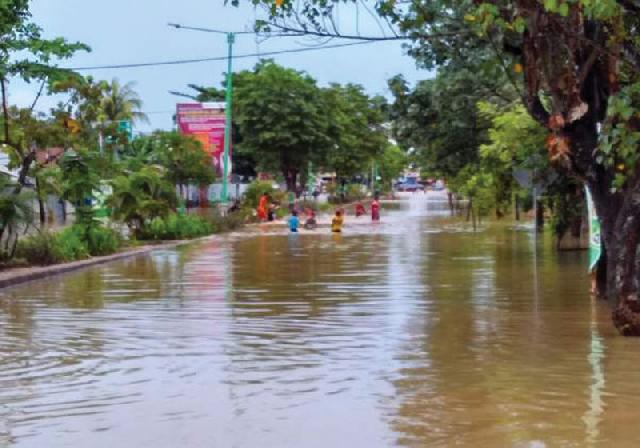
311	179
100	197
205	122
595	248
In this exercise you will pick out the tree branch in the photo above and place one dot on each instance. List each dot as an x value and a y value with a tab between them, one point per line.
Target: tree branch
507	71
301	32
35	100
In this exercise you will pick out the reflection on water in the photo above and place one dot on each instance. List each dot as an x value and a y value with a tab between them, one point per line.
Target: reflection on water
412	332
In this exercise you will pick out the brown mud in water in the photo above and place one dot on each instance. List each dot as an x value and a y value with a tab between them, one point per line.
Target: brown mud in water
411	332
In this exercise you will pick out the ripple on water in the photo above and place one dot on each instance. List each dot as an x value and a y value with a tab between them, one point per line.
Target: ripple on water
415	331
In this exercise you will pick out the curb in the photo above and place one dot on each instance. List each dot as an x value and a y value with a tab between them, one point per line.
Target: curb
16	276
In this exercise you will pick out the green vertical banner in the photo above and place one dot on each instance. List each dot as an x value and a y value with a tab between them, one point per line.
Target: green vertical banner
311	179
595	248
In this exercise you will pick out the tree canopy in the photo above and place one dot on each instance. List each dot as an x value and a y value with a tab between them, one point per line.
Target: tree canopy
282	120
280	115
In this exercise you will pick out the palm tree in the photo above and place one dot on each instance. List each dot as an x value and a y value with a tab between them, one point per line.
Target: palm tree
16	215
122	102
140	196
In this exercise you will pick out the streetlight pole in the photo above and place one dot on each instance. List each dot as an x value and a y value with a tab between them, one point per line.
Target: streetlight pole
227	127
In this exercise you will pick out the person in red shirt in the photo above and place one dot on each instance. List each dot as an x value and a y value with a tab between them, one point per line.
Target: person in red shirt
311	222
375	209
360	210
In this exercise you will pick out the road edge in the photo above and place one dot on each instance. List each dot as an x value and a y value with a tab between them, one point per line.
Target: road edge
17	276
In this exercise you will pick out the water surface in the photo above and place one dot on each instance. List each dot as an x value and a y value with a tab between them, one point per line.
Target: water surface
412	332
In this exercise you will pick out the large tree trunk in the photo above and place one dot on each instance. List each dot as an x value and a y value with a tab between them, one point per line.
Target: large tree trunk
41	208
539	215
576	63
42	211
304	179
622	249
619	215
291	178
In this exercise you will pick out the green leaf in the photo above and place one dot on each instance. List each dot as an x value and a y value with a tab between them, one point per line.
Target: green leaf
563	9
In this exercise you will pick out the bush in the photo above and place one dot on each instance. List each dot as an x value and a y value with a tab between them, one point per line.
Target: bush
352	192
102	240
232	221
257	189
40	248
46	247
71	245
356	192
155	230
176	227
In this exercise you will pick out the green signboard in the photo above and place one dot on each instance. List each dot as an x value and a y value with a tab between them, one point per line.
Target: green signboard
126	127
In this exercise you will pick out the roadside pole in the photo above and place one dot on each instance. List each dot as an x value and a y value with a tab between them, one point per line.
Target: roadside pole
373	178
227	128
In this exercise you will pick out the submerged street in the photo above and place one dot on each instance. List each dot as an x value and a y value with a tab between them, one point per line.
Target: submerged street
412	332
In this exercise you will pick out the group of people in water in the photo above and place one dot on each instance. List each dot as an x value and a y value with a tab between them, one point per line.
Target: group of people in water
266	212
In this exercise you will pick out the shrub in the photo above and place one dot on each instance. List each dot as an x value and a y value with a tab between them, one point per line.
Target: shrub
257	189
176	227
188	226
227	223
352	192
71	245
155	230
356	192
46	247
39	248
102	240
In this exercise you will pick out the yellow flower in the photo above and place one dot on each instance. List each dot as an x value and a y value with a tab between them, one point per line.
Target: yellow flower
621	167
517	68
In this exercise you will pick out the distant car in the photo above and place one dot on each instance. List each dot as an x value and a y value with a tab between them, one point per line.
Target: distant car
439	185
409	186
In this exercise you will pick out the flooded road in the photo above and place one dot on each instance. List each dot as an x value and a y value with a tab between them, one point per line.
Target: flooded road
413	332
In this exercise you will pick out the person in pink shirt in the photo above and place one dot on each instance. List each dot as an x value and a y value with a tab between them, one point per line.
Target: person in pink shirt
375	209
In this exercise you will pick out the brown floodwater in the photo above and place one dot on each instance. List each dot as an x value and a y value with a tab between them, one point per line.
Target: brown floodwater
411	332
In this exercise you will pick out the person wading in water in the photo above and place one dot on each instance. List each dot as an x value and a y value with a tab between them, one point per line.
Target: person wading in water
375	209
336	222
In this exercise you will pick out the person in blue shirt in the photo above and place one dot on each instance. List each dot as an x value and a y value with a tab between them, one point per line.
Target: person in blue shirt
294	221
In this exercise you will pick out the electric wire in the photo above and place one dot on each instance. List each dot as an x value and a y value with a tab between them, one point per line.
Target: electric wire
216	58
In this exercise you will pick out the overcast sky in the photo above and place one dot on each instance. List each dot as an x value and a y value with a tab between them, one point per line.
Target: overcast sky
125	31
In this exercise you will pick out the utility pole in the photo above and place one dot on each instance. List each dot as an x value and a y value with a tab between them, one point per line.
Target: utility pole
227	128
373	181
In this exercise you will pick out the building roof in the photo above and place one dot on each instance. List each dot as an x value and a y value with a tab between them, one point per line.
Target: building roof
49	155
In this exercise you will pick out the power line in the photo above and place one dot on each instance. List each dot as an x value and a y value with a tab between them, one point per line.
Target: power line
217	58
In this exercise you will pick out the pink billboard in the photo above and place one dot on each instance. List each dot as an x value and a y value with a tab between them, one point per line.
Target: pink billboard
205	122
